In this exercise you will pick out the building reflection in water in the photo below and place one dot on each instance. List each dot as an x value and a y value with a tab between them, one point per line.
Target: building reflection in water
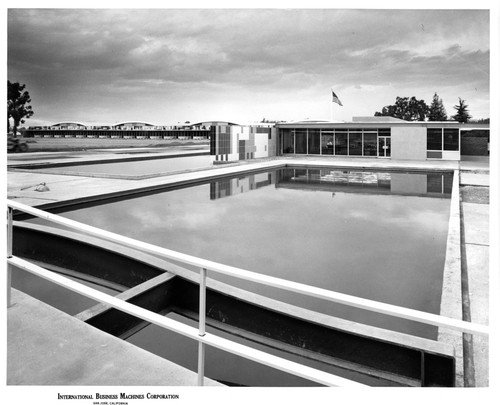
339	180
238	185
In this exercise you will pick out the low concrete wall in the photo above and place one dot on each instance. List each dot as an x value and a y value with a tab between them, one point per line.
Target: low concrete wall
394	358
451	296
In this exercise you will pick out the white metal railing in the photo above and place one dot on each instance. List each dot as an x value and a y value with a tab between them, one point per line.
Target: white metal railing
199	334
188	331
204	265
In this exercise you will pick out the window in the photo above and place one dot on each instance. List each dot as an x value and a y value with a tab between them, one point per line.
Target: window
327	144
450	138
370	145
313	141
301	141
434	139
355	143
288	141
439	140
340	143
384	132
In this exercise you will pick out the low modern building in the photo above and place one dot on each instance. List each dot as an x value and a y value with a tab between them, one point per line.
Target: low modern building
124	130
377	137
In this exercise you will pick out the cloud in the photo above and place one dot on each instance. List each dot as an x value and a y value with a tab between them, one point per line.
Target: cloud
105	55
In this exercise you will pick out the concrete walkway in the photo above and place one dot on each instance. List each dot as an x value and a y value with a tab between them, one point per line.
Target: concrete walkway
48	347
101	155
474	176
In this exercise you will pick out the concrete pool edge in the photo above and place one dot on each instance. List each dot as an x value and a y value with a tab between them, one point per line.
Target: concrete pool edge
109	157
51	168
306	314
99	189
78	354
451	296
282	162
377	334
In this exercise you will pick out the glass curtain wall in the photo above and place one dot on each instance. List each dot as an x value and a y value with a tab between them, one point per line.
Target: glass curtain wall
338	142
301	141
341	142
314	141
370	144
355	142
288	137
327	143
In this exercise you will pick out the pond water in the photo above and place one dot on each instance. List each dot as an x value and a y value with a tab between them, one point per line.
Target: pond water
376	235
380	236
136	167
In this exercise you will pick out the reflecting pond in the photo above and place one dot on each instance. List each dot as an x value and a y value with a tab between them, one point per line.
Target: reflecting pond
376	235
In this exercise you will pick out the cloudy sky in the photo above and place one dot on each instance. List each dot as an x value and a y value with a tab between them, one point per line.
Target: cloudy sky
167	66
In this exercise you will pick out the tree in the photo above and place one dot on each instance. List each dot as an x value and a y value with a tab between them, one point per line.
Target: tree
18	107
409	109
437	111
266	121
462	114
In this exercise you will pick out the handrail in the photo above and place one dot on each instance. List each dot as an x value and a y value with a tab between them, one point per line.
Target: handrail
188	331
362	303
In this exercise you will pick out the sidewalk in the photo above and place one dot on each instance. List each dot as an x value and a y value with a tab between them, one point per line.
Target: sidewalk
48	347
474	187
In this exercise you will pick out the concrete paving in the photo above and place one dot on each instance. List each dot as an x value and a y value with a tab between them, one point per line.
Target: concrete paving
476	228
476	216
48	347
473	179
100	155
477	267
476	163
476	223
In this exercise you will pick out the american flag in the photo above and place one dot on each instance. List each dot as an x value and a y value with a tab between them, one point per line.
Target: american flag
335	99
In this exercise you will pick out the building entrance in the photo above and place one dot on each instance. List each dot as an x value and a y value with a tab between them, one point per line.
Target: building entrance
384	146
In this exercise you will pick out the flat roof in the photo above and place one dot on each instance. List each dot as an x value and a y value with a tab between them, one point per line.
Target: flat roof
383	123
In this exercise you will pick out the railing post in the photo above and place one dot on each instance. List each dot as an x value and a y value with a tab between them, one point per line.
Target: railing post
201	331
9	253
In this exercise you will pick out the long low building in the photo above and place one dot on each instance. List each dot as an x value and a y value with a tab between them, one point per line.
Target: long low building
380	137
125	130
375	137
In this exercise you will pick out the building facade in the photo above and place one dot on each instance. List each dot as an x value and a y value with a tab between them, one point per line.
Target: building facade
373	137
231	143
377	137
125	130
